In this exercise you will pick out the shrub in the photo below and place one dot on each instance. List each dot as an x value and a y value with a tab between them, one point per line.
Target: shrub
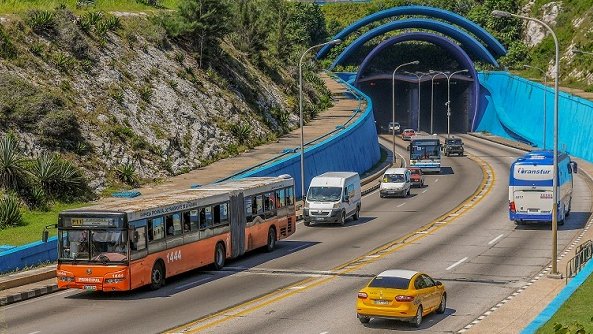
10	211
13	174
145	92
41	21
37	48
59	129
241	132
63	61
7	49
127	174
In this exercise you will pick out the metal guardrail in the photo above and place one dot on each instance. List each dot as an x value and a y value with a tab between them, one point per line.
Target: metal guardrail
583	253
286	152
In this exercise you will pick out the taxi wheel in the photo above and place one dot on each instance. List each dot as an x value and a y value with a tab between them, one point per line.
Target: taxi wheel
443	305
363	319
418	318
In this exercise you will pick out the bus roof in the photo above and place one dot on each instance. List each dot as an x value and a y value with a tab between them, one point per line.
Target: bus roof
208	193
425	137
539	157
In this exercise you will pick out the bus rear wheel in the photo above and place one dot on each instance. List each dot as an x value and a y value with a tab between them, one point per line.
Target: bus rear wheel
271	240
157	276
219	256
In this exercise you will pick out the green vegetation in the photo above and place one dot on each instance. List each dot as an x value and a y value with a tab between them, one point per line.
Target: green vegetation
574	316
34	222
20	6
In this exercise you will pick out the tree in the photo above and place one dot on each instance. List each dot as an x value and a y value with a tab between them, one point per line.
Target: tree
201	22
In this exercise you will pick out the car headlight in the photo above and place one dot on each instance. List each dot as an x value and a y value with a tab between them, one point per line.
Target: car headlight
336	205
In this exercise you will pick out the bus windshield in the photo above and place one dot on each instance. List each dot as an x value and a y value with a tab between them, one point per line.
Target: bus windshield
425	151
324	194
102	246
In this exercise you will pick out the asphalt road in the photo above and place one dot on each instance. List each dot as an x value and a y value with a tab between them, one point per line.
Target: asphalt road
304	286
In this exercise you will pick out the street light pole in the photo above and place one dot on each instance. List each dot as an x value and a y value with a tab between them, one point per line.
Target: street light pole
449	76
545	93
419	76
437	73
415	62
332	42
554	273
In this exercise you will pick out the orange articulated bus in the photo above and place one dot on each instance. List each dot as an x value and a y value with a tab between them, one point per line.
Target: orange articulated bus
126	244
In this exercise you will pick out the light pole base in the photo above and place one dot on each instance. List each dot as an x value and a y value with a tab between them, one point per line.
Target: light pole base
555	275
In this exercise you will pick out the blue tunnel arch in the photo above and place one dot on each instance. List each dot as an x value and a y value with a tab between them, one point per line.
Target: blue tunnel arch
492	44
455	50
467	41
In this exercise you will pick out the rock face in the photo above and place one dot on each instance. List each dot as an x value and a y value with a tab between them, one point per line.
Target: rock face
534	32
139	98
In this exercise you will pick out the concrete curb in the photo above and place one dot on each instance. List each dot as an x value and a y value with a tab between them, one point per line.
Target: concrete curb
33	276
21	296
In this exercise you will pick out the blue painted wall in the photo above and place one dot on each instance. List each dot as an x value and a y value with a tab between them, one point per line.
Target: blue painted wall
29	255
512	107
356	148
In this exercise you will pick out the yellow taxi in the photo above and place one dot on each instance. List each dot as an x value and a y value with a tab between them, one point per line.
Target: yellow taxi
401	295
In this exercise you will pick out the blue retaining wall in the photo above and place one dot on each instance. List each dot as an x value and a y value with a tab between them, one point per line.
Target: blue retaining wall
512	107
356	148
29	255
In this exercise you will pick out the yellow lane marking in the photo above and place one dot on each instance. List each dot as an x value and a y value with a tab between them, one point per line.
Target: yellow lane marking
209	321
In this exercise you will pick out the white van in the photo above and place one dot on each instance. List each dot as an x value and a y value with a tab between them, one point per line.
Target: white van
332	198
395	182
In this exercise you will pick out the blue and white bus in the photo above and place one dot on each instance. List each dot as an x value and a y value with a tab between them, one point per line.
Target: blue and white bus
530	187
425	153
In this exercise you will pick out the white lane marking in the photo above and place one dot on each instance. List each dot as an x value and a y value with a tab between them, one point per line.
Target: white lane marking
495	239
323	332
192	283
298	248
399	206
456	263
424	191
35	332
437	180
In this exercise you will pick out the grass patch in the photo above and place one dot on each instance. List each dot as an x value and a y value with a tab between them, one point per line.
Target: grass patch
20	6
35	222
574	313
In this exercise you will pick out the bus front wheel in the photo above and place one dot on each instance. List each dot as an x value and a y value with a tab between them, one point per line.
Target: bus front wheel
219	256
157	276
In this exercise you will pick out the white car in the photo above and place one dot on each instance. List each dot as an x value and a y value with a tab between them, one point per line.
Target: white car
396	182
394	126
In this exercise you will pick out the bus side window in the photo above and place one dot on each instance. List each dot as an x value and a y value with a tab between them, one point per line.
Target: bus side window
280	198
248	209
259	201
139	239
205	217
169	225
156	229
290	196
224	213
216	215
193	220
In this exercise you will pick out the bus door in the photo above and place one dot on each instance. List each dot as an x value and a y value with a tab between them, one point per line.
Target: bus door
238	224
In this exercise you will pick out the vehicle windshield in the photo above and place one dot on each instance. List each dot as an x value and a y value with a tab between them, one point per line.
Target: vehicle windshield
425	151
101	246
324	194
454	142
390	282
415	171
393	178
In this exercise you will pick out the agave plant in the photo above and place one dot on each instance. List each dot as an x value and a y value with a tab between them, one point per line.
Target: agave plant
10	211
41	20
127	174
13	173
56	177
242	132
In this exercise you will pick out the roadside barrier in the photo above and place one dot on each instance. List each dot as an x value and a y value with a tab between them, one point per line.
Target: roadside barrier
583	254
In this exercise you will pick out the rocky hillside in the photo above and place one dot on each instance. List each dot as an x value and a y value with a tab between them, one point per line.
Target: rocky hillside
110	91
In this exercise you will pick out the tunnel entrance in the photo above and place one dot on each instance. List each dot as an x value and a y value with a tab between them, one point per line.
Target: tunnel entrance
417	104
379	89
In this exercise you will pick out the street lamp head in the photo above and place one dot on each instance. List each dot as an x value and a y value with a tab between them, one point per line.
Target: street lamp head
500	13
415	62
335	42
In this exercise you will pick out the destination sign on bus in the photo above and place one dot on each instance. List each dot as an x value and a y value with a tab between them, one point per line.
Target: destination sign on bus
92	221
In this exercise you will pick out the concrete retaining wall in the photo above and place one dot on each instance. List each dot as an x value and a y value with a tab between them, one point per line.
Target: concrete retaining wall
29	255
512	107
